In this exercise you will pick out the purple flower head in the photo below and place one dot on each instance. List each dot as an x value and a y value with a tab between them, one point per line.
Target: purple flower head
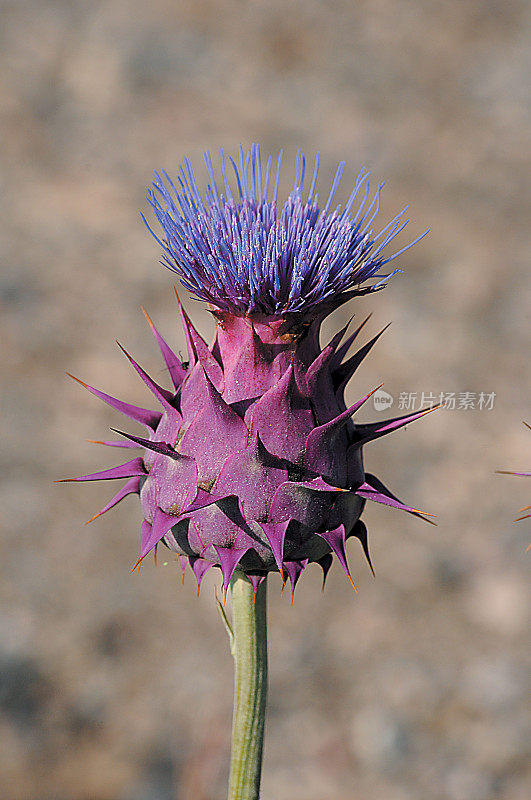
253	459
247	255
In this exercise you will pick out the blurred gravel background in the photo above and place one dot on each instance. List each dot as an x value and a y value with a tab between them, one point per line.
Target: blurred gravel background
119	687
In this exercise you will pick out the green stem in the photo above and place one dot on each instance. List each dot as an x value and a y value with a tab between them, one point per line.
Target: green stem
249	649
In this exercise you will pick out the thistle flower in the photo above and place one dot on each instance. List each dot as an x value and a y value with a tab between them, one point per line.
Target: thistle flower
253	461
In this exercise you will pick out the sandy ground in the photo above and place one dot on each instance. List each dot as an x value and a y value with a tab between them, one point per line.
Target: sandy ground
119	687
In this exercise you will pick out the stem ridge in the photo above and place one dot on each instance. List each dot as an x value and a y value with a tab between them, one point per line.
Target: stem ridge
249	649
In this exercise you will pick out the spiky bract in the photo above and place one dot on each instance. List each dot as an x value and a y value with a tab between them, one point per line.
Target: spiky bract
520	475
254	461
